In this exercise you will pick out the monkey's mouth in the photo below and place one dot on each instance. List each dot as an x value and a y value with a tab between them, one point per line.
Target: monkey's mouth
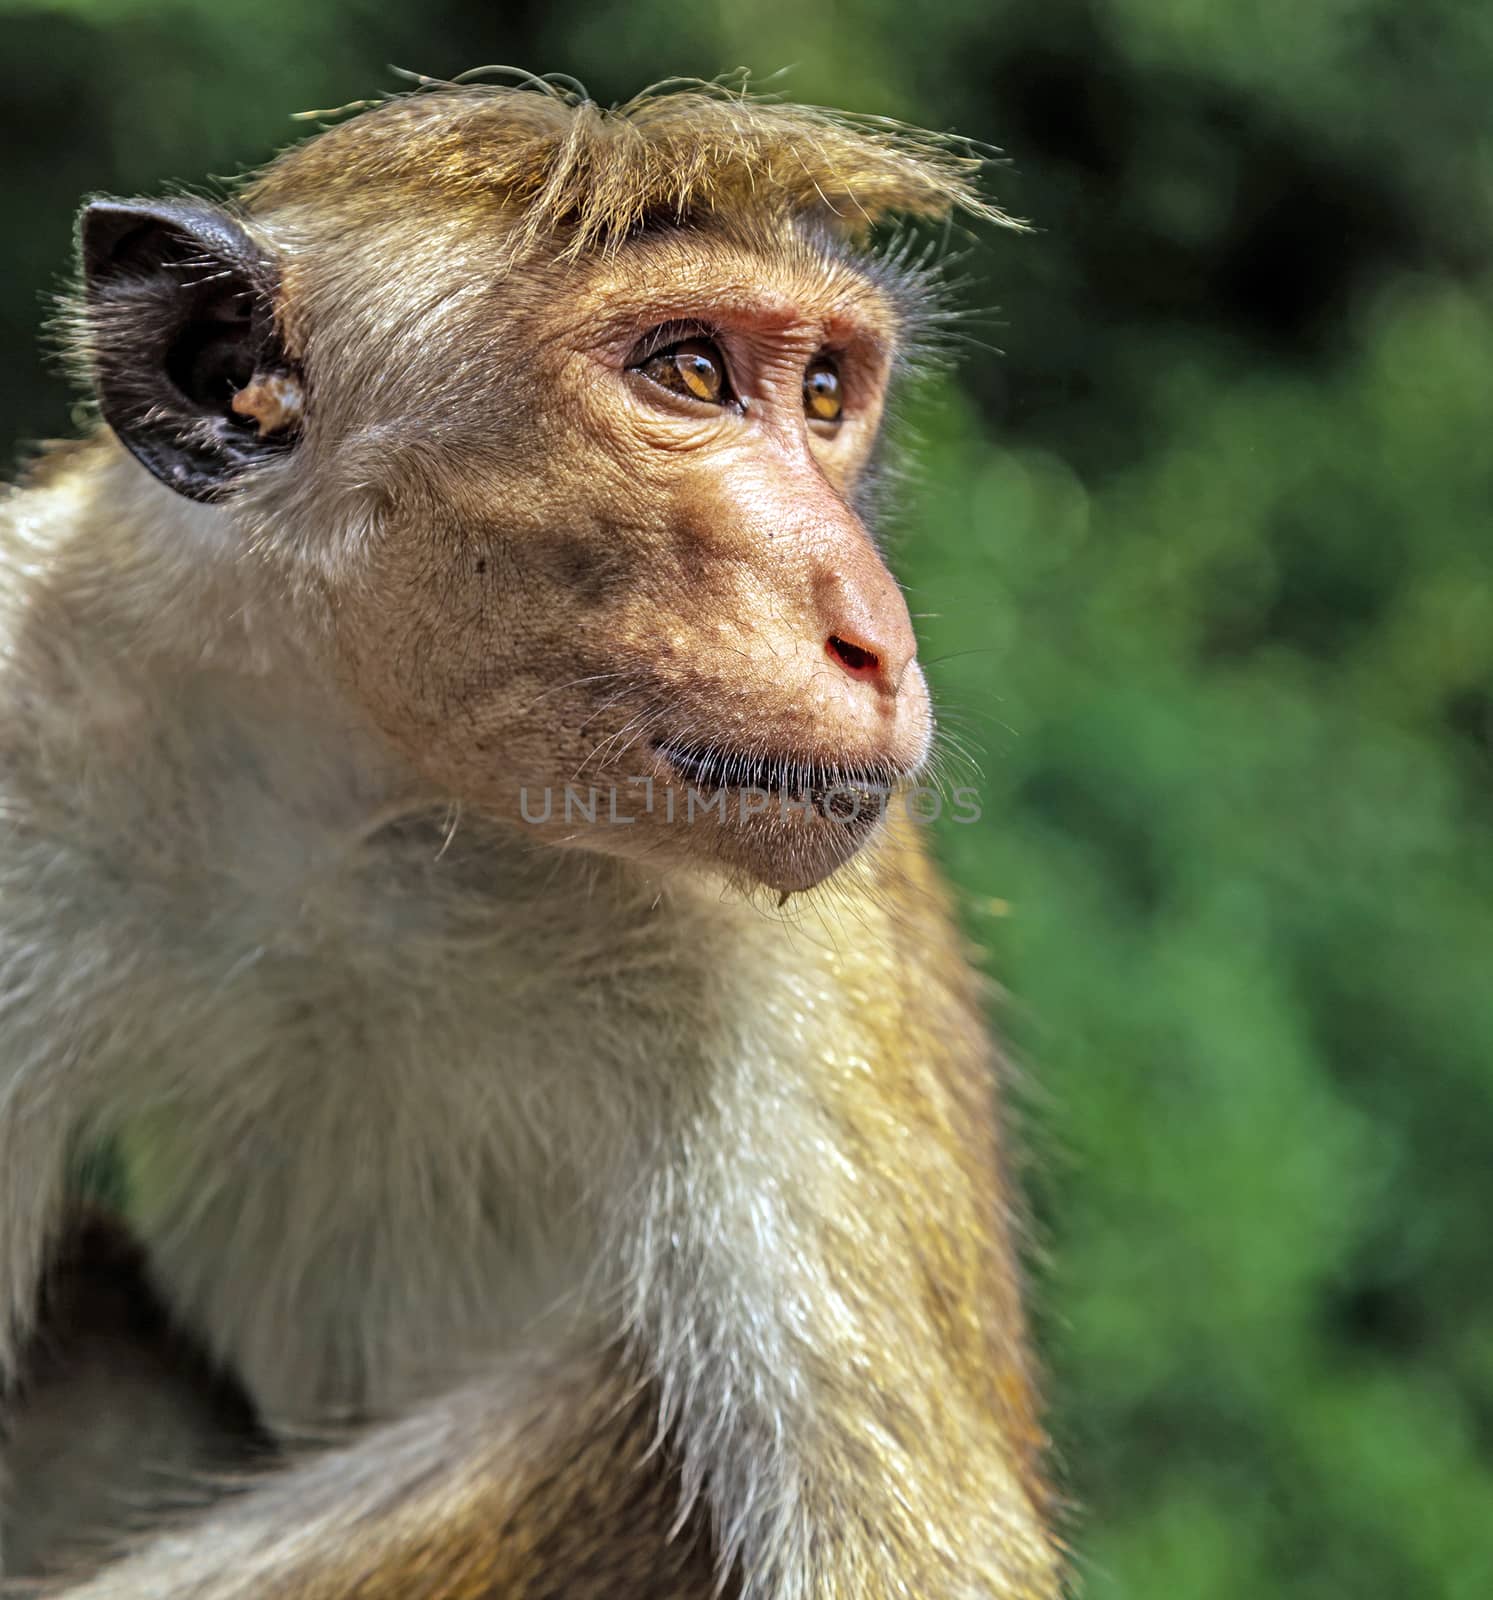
838	792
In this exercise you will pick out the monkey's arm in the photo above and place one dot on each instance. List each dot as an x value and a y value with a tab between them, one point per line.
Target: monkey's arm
541	1483
548	1485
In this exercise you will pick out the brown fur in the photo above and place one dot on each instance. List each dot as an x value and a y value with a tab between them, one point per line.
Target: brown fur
590	1509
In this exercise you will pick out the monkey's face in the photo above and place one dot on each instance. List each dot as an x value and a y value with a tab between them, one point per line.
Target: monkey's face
619	593
587	535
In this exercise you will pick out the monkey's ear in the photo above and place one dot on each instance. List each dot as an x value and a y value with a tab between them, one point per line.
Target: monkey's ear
187	365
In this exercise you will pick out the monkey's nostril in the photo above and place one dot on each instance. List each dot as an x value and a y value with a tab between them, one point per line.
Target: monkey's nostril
856	660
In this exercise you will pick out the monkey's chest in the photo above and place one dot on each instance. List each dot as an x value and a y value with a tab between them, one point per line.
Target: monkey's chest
345	1255
382	1135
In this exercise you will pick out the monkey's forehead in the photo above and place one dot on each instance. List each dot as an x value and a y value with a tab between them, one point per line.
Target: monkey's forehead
566	167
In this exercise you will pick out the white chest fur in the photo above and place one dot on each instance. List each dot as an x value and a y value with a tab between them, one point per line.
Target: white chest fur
406	1103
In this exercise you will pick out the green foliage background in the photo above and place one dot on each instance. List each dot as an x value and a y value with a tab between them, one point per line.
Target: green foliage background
1206	552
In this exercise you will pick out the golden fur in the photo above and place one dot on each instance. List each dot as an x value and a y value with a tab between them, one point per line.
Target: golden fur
597	175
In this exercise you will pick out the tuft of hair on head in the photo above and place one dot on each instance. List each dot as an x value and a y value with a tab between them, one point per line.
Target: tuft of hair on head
589	177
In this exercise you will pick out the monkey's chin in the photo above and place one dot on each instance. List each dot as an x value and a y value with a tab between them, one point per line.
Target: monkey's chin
790	863
781	822
787	856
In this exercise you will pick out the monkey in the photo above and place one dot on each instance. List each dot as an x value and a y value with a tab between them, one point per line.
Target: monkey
456	707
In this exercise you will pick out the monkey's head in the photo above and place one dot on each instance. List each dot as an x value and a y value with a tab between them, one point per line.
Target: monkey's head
563	423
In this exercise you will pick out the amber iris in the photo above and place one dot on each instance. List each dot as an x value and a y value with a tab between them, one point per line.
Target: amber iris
822	390
695	368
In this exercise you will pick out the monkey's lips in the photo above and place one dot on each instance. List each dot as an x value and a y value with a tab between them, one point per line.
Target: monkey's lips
836	791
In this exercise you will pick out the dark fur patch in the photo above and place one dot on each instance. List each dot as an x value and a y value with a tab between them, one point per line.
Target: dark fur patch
117	1417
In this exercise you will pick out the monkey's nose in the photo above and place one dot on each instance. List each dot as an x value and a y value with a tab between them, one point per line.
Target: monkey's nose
870	635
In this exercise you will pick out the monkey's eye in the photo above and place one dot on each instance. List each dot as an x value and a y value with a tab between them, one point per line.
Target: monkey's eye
822	400
693	367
